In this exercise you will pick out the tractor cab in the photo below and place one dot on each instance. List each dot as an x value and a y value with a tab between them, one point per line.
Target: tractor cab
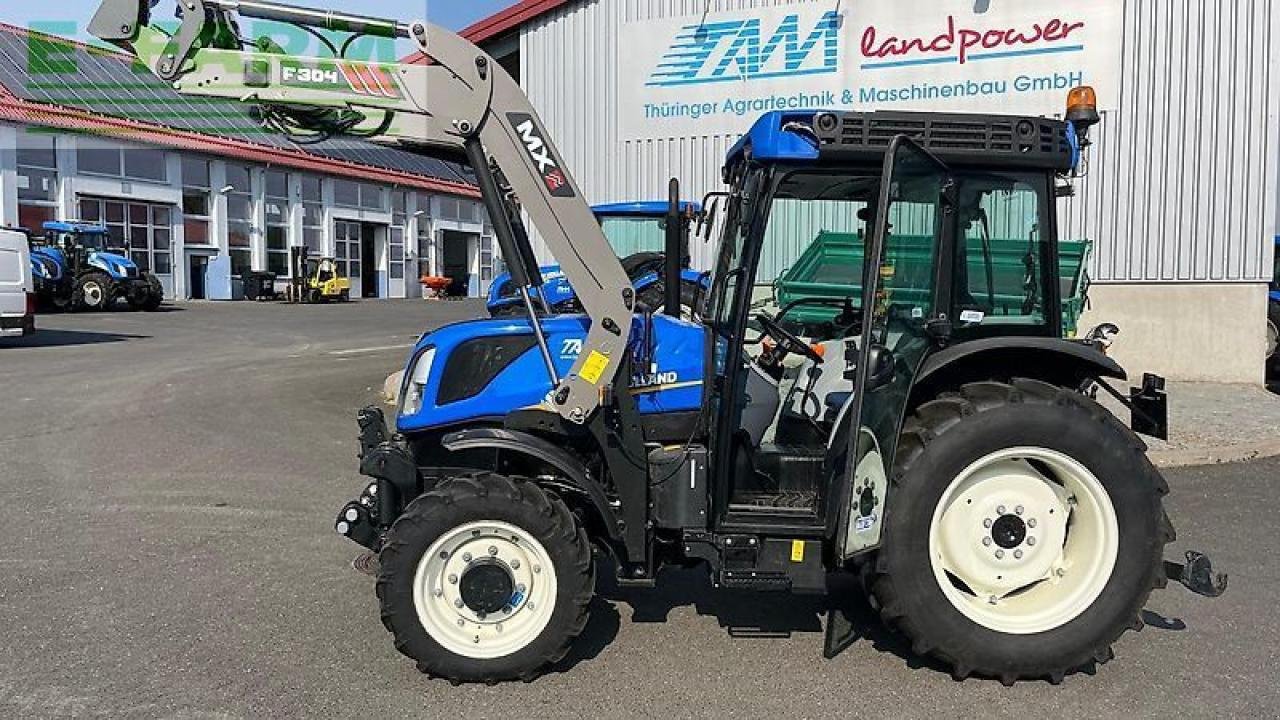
926	216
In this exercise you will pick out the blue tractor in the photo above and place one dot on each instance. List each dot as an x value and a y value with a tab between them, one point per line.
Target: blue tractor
77	266
935	439
637	231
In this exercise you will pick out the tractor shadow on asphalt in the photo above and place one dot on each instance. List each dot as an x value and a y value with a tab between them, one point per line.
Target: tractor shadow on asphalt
68	338
746	614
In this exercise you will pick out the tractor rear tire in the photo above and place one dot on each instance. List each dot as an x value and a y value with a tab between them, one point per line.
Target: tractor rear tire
1059	609
485	578
93	292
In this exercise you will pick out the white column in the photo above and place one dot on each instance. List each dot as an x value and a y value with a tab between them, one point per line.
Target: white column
177	239
327	244
218	205
257	233
68	167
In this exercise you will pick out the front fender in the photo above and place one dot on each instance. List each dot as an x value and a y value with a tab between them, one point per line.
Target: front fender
544	452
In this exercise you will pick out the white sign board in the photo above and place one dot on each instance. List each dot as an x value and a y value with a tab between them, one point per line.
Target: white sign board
716	75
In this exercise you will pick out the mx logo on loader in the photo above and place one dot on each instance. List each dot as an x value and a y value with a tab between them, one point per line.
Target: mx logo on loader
736	50
540	153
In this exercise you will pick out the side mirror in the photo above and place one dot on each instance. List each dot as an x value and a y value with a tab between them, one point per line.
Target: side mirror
881	365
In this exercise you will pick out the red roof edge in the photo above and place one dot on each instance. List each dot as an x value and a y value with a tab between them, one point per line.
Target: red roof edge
30	113
499	23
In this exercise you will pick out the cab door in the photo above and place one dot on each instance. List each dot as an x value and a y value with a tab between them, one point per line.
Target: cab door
904	290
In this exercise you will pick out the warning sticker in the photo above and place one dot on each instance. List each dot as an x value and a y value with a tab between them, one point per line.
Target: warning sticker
797	551
594	367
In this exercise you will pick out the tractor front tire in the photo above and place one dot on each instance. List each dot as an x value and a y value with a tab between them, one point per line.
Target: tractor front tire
1023	534
93	292
485	578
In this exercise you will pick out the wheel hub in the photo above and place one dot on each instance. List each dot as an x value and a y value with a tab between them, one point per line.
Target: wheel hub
486	587
1023	540
1008	531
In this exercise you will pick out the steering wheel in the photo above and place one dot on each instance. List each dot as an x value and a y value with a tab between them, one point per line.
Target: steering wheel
787	340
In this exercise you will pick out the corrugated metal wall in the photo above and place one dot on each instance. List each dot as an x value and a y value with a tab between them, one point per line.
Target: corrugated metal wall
1183	183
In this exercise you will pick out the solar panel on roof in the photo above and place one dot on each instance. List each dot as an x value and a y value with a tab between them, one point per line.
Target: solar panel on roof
50	71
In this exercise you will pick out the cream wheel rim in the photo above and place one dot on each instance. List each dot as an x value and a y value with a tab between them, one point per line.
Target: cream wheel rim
451	614
1024	540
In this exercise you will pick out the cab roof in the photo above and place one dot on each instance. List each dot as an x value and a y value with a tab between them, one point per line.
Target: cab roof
995	141
78	227
647	208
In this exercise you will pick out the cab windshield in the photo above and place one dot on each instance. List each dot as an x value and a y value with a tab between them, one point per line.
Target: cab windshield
631	235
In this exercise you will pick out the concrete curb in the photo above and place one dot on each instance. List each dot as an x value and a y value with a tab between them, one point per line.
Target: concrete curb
1171	458
1240	452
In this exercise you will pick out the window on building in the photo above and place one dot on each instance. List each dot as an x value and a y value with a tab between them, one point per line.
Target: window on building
100	158
277	211
146	229
195	201
399	230
312	214
486	259
349	193
37	179
239	218
346	236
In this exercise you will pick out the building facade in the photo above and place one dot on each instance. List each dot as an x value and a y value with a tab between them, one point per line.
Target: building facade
1180	198
202	196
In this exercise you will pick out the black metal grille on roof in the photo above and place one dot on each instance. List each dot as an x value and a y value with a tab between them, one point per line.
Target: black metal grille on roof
51	71
991	139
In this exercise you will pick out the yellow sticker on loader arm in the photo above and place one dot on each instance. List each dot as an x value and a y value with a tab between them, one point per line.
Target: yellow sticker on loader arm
594	367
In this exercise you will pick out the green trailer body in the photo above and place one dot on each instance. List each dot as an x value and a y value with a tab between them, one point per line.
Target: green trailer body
831	267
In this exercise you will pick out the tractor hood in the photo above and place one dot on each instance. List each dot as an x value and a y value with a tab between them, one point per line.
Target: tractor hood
117	266
47	263
481	370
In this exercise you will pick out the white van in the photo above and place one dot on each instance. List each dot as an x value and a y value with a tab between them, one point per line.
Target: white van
17	290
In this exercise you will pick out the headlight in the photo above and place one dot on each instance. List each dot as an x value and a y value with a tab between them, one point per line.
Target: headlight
415	384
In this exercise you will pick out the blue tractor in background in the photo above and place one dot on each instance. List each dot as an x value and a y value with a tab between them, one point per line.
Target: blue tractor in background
637	232
76	266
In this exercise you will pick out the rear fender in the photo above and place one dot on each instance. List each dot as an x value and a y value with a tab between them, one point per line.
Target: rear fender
1066	363
545	454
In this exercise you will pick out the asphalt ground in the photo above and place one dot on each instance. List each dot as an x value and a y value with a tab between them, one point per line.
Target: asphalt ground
169	486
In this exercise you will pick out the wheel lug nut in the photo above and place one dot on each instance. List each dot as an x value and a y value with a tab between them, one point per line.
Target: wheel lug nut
1060	572
506	609
493	550
993	600
515	564
453	579
439	592
986	523
520	588
466	557
1000	510
457	603
1017	554
999	555
481	614
537	568
498	627
1031	523
530	605
1031	541
461	622
1018	510
986	541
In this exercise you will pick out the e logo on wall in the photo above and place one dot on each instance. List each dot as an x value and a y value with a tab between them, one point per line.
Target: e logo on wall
715	75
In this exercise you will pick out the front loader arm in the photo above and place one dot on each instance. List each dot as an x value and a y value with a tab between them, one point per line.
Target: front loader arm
464	102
